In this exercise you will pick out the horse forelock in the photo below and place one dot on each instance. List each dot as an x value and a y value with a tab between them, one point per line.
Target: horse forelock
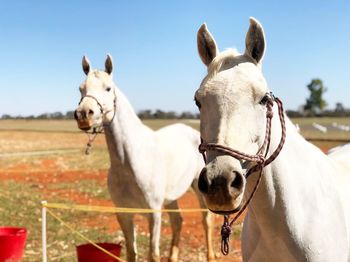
96	76
99	73
226	60
221	58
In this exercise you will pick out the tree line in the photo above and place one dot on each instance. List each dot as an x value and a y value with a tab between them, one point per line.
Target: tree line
55	115
339	111
143	114
315	105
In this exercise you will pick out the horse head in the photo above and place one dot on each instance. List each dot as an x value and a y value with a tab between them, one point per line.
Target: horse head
232	104
98	99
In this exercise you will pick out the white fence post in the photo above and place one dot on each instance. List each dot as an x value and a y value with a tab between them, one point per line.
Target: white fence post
43	232
319	127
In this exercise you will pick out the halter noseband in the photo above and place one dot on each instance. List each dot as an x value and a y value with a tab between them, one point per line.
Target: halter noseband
98	130
102	111
259	158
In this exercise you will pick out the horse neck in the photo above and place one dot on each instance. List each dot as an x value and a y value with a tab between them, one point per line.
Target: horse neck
125	133
288	176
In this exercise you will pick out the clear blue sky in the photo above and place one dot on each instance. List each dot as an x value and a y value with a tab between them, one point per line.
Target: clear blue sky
153	44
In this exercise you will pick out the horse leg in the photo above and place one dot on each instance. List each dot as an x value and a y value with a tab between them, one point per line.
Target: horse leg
207	222
126	222
155	221
176	224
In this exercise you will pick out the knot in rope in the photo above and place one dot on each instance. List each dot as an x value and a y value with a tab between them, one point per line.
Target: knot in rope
91	136
88	148
260	159
225	236
269	114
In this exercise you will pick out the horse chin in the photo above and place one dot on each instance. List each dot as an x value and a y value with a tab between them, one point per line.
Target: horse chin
225	212
227	209
84	125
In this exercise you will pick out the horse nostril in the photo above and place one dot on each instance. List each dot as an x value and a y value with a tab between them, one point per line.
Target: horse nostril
237	181
91	112
203	183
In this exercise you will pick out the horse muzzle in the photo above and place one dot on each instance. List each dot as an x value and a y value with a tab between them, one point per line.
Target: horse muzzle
84	120
222	188
84	125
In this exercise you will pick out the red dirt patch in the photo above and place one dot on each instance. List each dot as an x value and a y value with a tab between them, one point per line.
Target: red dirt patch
192	230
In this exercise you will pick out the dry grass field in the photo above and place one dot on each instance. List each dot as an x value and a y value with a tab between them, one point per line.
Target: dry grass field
45	160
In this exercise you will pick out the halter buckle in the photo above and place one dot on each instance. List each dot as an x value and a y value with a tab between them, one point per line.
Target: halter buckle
268	97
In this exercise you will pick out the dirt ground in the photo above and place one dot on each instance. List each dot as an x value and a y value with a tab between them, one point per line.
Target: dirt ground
46	173
59	177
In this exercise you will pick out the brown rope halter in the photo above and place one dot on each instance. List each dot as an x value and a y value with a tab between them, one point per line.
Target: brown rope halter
259	158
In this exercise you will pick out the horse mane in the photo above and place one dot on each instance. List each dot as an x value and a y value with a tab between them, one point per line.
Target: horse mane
215	66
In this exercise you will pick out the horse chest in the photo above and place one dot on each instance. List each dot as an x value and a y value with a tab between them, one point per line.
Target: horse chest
128	190
124	189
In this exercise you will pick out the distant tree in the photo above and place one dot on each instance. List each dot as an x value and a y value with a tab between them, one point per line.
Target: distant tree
187	115
159	114
69	115
6	116
171	115
145	114
293	113
339	108
44	116
315	103
56	115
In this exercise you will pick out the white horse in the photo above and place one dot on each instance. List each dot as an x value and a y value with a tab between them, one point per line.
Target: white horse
148	169
301	211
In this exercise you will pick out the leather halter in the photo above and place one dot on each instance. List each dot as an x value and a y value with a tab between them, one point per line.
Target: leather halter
259	158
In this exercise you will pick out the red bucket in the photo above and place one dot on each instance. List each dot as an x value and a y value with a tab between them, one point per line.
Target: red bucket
88	252
12	242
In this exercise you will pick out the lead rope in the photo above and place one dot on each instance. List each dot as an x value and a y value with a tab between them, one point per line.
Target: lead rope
91	138
226	228
259	158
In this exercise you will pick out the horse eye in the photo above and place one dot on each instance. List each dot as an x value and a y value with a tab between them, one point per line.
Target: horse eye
197	103
108	89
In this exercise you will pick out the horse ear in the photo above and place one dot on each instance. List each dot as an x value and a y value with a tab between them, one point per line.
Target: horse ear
86	65
109	64
255	41
206	44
